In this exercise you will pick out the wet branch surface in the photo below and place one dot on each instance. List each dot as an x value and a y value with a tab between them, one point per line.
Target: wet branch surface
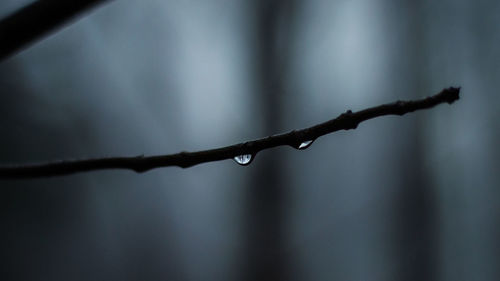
346	121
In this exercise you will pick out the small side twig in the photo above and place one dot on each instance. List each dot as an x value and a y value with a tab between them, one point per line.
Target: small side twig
247	150
37	19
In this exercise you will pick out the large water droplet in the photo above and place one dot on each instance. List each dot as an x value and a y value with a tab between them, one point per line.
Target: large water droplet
243	159
305	144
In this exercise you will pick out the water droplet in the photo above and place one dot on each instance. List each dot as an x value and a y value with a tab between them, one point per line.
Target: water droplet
305	144
243	159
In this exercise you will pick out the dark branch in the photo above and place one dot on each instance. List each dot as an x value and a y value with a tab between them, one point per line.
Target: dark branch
345	121
37	19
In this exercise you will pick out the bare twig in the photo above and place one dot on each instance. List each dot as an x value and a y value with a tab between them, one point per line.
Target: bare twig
296	138
37	19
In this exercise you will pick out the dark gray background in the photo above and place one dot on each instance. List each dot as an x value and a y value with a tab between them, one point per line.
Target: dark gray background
399	198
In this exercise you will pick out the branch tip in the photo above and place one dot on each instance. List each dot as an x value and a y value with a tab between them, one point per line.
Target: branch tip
451	94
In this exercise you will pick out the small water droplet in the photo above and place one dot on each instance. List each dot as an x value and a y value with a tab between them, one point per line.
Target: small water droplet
305	144
243	159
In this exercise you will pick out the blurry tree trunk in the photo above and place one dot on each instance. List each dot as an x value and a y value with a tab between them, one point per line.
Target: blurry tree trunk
414	204
264	217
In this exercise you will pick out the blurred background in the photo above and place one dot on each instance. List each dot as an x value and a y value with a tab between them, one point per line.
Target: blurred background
399	198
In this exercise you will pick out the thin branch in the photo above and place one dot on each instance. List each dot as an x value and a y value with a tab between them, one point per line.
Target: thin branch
26	25
296	138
